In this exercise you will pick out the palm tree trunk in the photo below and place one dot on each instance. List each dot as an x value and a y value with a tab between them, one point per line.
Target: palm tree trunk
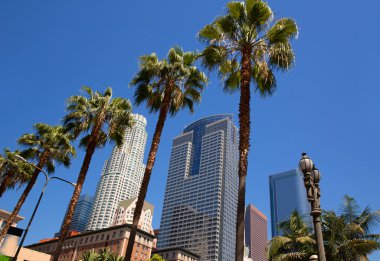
244	132
6	182
78	188
24	195
148	170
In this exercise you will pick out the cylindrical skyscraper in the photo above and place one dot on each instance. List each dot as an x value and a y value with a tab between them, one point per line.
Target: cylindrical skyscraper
121	175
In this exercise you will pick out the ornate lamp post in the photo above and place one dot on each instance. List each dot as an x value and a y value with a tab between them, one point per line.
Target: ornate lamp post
311	177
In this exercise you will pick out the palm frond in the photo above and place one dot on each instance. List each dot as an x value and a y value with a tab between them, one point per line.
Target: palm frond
368	220
178	72
259	13
282	31
350	209
281	56
264	78
213	56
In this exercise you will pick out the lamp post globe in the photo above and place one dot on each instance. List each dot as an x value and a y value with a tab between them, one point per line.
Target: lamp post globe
314	258
316	174
305	164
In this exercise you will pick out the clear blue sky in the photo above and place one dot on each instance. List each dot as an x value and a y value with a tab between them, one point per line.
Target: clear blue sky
327	105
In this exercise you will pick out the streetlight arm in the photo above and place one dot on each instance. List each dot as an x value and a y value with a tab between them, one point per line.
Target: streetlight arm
61	179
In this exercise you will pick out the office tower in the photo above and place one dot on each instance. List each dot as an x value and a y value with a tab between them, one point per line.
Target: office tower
287	193
199	211
81	215
125	210
256	236
121	175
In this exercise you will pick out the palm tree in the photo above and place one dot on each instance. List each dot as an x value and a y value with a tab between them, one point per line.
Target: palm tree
102	118
166	86
297	242
348	235
48	145
13	171
243	47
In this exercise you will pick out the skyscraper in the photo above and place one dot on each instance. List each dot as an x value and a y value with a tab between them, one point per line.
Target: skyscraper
199	211
256	235
287	193
81	215
121	175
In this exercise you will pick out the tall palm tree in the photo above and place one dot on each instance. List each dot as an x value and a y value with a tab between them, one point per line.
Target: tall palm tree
348	235
243	47
166	86
13	171
101	118
297	242
49	144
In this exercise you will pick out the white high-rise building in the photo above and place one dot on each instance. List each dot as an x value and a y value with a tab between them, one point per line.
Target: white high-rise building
121	175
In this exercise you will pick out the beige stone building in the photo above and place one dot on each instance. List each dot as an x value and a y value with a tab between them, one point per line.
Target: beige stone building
125	210
176	254
4	215
113	238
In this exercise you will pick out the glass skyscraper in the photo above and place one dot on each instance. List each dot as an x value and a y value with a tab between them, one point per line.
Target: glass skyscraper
81	215
287	193
121	175
199	211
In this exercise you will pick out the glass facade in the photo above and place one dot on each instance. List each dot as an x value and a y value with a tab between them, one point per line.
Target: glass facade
287	193
199	211
81	215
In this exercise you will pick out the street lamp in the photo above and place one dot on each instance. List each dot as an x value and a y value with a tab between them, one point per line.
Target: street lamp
47	180
311	177
314	258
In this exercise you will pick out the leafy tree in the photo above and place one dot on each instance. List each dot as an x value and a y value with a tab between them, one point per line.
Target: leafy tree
102	255
49	144
156	257
166	86
243	47
13	171
348	235
89	256
101	118
297	242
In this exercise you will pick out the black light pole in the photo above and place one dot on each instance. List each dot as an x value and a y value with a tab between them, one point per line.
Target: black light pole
311	177
47	180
